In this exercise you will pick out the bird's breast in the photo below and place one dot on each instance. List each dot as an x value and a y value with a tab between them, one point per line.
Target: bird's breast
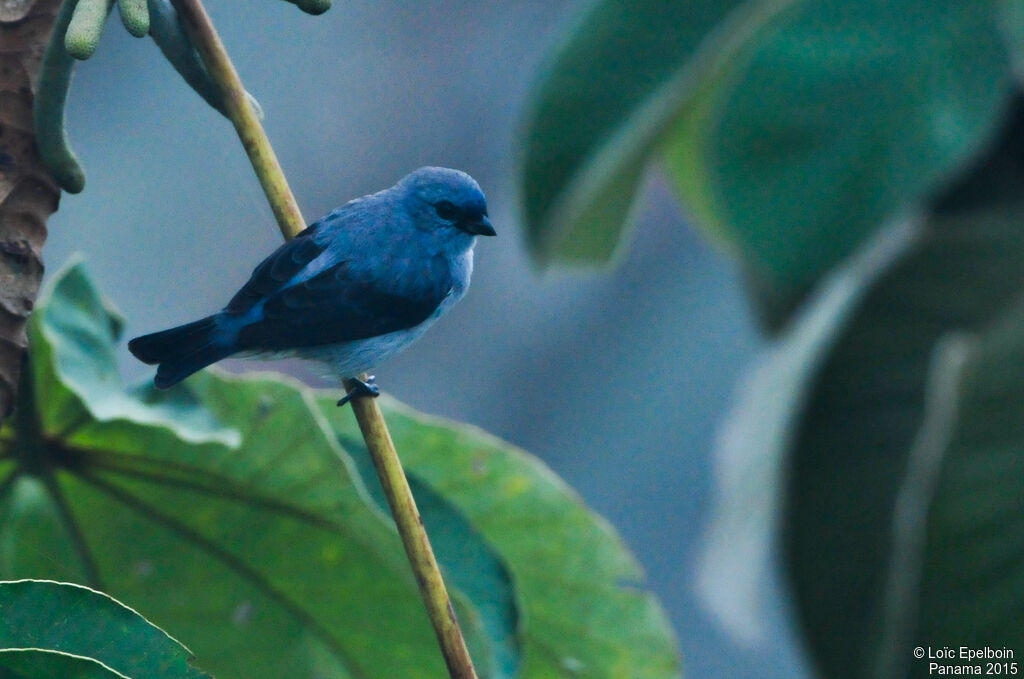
350	359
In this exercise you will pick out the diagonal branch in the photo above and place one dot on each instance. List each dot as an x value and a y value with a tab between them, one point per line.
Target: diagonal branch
371	421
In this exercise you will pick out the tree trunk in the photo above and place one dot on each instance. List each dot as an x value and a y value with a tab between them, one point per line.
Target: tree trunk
28	195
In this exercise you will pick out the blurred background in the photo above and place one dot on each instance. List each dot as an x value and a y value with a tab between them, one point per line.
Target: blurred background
617	379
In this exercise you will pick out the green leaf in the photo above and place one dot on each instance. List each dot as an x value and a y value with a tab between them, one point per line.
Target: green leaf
843	114
33	528
750	106
967	466
607	94
76	377
232	516
468	562
759	431
966	271
1013	32
583	610
858	416
33	663
227	513
958	538
82	625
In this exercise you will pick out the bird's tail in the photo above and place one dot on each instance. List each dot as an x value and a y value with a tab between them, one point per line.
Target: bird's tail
180	351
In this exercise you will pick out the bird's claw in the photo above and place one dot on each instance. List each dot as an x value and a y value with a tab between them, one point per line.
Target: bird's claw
360	387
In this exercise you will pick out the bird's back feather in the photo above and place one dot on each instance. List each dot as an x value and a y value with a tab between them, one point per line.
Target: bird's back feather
344	278
276	270
341	304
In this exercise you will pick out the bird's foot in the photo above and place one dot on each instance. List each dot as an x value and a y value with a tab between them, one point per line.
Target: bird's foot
361	388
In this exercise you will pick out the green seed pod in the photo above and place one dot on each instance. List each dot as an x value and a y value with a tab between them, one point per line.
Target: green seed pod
86	26
313	6
134	16
48	112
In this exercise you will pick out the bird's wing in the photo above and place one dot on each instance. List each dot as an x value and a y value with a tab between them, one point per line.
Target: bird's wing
276	270
344	303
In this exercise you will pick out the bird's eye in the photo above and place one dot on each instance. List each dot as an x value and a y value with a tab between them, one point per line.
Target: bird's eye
445	210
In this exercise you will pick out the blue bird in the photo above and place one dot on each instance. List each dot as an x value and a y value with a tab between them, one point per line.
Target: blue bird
350	291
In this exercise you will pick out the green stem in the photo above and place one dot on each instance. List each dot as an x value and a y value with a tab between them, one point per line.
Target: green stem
247	124
51	95
414	537
86	27
368	415
169	35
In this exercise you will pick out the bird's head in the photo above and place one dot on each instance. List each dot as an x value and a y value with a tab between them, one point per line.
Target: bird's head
444	200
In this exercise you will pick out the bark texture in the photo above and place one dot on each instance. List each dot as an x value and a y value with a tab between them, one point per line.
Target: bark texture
28	195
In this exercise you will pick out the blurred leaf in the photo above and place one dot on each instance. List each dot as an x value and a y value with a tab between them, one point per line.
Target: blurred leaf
842	440
245	529
791	128
957	534
866	406
859	415
1013	32
99	636
606	95
583	610
844	113
970	534
751	451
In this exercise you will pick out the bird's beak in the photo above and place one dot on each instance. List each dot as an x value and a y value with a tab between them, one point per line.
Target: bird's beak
479	228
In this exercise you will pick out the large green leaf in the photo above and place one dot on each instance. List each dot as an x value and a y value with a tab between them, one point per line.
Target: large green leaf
244	528
583	610
1013	32
845	456
958	537
75	368
33	663
867	404
468	561
52	627
759	431
256	544
607	94
843	114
